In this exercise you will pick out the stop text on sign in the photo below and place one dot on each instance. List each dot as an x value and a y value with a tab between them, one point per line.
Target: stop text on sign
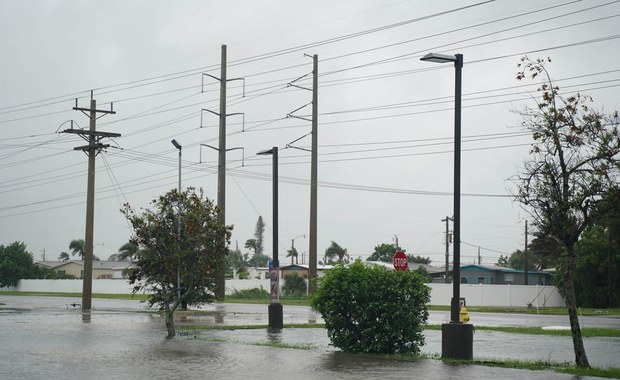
400	261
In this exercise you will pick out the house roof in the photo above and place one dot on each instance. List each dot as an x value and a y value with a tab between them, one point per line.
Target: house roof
493	268
305	267
97	264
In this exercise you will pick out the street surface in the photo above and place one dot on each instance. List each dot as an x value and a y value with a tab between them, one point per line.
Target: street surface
49	338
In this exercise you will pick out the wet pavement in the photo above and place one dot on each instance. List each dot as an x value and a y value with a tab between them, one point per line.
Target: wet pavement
47	337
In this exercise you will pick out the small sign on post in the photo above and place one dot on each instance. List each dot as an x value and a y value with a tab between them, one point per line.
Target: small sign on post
400	261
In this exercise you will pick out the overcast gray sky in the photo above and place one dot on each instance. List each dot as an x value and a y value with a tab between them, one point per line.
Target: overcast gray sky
385	117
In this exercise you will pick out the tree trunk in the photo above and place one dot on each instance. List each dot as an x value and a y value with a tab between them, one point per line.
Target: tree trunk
169	315
581	359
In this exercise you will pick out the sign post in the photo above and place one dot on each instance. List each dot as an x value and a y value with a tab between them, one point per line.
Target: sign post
400	261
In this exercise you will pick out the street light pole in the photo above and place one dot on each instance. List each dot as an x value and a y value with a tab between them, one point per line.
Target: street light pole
457	338
293	249
179	147
275	307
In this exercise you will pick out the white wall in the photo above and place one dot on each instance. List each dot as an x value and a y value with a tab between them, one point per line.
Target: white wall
475	294
499	295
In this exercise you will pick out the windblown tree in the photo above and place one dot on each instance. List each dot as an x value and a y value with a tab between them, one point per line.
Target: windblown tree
574	163
77	248
64	256
177	265
293	254
127	250
336	254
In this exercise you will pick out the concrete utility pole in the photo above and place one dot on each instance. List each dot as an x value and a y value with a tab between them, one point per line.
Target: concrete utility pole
220	281
92	149
525	256
447	275
312	268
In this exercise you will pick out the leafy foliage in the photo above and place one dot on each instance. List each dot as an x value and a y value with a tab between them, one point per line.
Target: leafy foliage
253	294
592	269
418	259
169	252
384	252
258	260
371	309
237	261
517	260
15	264
294	286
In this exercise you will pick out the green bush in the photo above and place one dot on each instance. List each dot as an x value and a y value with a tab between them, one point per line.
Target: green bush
252	294
371	309
294	286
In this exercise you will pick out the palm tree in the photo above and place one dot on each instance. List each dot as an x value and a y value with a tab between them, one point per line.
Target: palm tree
292	253
77	247
127	250
252	244
336	251
64	256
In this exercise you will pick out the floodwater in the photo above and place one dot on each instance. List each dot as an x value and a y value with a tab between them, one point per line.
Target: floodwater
47	338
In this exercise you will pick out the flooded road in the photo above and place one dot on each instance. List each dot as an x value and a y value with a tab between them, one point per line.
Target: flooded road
47	338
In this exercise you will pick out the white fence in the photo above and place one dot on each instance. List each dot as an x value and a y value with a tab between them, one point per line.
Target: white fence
475	294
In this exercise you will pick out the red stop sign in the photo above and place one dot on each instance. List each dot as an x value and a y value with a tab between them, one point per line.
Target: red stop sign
400	261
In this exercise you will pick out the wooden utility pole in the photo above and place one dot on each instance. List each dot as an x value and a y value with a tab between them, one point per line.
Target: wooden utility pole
92	149
312	268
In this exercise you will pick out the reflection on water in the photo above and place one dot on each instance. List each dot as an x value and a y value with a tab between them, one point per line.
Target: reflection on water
219	313
86	316
274	336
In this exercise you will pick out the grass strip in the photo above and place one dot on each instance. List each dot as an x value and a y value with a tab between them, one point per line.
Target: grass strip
589	332
541	365
138	297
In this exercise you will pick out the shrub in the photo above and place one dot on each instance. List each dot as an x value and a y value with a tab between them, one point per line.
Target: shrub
371	309
294	286
253	294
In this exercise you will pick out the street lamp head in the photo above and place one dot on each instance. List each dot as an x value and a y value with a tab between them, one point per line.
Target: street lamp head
266	152
176	144
439	58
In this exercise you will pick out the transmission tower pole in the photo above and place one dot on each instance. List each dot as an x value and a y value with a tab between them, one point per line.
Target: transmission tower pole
312	268
92	149
220	281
